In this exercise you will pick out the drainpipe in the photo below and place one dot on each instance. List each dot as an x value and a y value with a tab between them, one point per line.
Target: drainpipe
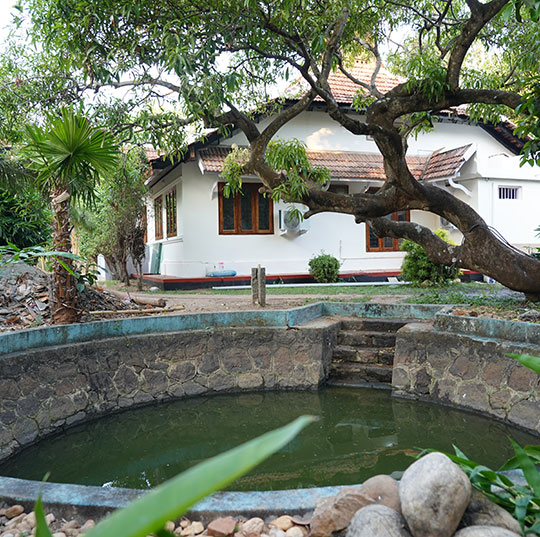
464	189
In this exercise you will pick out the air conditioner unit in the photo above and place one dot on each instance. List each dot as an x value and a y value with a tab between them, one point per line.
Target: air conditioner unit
445	224
291	224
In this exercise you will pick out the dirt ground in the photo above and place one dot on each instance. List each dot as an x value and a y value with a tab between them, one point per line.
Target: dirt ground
198	303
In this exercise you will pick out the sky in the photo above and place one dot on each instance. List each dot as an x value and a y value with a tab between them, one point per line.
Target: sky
5	18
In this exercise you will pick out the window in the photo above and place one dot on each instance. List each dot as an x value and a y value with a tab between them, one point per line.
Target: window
509	192
250	213
170	213
158	218
385	244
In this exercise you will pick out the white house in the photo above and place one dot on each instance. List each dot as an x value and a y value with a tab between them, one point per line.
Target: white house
193	230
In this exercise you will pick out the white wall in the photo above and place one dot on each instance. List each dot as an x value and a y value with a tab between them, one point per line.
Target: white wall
199	248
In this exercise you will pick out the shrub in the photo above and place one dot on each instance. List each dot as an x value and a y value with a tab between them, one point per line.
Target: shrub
418	268
324	268
25	218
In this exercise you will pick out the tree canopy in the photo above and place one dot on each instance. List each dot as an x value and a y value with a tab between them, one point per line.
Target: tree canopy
214	64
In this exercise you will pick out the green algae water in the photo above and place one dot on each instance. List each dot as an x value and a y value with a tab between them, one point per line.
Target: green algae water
361	433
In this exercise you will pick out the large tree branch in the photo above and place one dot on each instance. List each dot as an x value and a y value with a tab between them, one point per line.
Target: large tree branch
438	250
281	119
481	14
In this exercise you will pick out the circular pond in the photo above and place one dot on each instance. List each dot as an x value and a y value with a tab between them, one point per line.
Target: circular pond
361	433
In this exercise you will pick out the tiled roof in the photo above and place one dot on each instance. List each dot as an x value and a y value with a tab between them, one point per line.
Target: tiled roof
353	165
345	89
445	164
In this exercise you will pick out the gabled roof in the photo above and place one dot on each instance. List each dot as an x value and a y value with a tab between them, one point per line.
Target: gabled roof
344	91
353	165
445	163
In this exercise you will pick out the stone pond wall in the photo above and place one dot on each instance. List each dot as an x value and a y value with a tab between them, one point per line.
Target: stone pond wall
43	390
460	362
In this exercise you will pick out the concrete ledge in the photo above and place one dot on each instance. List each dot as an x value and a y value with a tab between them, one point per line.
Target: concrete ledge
34	338
520	332
71	501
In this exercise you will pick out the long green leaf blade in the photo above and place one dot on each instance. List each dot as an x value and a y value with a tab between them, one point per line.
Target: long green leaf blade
42	530
168	501
531	362
532	475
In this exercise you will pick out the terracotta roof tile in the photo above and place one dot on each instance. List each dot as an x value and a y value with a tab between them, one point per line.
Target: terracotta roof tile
353	165
445	164
345	89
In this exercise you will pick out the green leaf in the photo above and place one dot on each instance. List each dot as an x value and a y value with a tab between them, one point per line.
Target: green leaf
532	475
531	362
42	530
170	500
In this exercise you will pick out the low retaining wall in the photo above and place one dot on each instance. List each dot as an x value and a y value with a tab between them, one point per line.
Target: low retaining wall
44	390
461	361
51	378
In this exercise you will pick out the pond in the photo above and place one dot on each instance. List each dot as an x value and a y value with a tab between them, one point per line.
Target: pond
361	433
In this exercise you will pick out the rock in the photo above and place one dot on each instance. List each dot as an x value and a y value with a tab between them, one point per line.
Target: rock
169	526
296	531
13	511
481	511
434	494
485	531
184	523
383	490
50	518
377	521
283	523
30	519
252	527
275	532
221	527
59	534
192	529
87	526
69	525
8	535
197	527
334	514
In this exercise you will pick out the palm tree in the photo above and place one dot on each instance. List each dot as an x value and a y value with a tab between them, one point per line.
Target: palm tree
69	156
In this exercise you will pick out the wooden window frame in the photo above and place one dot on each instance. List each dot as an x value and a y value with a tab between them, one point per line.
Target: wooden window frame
158	218
171	216
395	242
251	189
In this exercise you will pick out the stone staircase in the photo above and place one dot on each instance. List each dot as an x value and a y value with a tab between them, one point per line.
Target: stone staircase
364	354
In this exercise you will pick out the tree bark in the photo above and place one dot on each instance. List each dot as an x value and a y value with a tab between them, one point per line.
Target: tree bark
64	308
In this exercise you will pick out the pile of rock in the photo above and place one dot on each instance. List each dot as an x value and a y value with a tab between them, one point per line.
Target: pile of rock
14	522
433	499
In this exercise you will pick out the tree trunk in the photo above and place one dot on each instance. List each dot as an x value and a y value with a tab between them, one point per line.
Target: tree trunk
64	307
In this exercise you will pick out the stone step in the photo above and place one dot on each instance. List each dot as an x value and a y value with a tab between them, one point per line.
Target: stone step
379	325
354	373
347	353
355	338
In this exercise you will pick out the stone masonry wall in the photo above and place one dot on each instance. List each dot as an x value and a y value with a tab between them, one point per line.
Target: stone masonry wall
44	390
467	371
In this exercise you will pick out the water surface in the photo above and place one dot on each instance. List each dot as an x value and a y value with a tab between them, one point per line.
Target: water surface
361	433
